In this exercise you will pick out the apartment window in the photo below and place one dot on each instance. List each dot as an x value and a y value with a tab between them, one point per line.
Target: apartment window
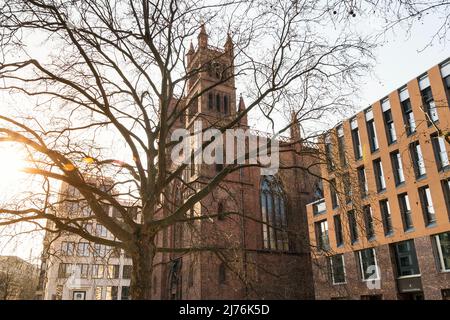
386	216
125	293
373	141
427	205
408	115
98	271
100	250
363	187
98	293
442	243
356	140
341	146
323	241
68	248
440	152
429	106
405	210
353	226
83	249
347	187
388	121
417	159
273	212
368	221
446	189
338	230
368	264
333	193
406	258
64	270
329	157
397	167
100	230
337	269
218	102
83	268
379	175
87	227
126	272
113	271
112	292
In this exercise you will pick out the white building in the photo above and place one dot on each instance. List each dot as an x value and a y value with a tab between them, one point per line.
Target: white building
76	269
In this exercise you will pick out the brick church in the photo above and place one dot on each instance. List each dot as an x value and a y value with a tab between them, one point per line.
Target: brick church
258	222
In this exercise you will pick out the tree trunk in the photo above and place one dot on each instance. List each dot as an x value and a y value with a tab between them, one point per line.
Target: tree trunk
141	278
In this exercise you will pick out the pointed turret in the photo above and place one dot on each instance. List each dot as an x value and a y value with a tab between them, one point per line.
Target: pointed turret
190	53
229	45
203	37
241	108
295	128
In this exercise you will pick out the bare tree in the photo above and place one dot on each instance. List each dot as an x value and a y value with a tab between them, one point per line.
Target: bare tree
113	79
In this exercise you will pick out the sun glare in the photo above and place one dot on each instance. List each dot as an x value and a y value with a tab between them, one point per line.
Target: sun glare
11	163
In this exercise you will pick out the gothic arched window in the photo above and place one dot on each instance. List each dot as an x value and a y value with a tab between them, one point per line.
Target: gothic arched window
225	104
218	102
210	100
273	211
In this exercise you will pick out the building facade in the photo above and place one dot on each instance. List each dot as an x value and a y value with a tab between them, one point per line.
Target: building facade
382	229
265	245
73	268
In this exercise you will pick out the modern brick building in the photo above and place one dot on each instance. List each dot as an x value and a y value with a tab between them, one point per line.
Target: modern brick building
266	238
382	229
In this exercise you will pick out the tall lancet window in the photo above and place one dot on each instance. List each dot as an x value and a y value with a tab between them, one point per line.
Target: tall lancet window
273	211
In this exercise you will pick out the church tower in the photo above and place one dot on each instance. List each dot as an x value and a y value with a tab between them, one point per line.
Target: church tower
211	85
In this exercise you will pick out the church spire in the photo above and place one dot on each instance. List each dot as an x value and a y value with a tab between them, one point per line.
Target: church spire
229	44
241	108
295	128
203	37
190	53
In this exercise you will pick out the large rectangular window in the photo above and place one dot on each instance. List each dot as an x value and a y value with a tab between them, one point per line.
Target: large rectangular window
113	271
417	159
323	241
353	226
440	152
83	249
83	269
362	181
64	270
368	222
446	190
329	154
371	130
68	248
341	146
429	106
427	205
397	167
97	271
356	140
442	243
408	115
337	269
405	210
112	292
338	230
379	175
126	272
391	135
386	216
333	193
406	258
368	264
